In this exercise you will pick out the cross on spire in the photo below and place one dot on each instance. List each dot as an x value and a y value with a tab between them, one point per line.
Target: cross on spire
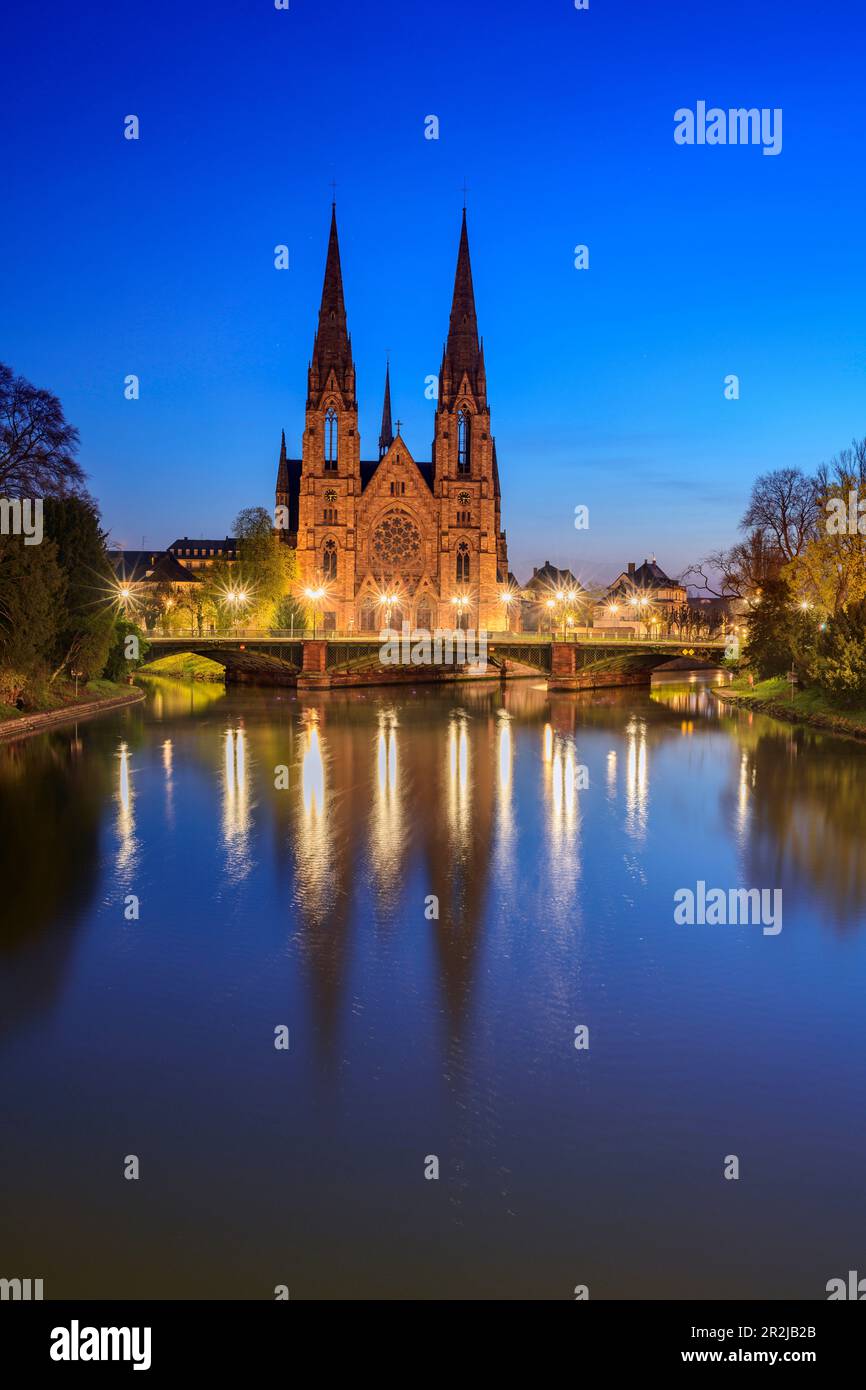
399	423
334	191
464	190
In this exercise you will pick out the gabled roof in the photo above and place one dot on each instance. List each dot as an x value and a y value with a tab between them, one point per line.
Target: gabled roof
548	576
150	567
369	466
649	575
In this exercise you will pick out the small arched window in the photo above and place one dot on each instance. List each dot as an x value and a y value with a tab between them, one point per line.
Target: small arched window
331	439
462	563
329	560
463	441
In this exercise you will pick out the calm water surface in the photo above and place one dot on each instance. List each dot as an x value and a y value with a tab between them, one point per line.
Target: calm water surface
411	1036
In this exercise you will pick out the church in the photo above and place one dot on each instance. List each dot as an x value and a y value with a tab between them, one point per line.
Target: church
397	539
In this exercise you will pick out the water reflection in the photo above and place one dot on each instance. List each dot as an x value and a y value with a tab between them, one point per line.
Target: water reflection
236	803
636	779
306	904
386	828
127	846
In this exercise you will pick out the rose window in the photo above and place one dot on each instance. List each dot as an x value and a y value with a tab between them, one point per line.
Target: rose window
396	540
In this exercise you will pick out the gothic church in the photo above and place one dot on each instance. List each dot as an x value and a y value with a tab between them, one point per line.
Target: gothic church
425	538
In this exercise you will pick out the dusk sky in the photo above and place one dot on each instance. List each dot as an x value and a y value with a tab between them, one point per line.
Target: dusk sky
156	256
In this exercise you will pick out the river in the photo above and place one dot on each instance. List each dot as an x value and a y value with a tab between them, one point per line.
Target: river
429	892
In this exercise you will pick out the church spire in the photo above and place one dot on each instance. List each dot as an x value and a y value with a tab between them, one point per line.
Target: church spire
462	350
282	469
386	437
332	347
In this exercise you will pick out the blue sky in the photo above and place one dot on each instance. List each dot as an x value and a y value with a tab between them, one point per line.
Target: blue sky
155	257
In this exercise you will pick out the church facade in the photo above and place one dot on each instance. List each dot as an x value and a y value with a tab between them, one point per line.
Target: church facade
417	541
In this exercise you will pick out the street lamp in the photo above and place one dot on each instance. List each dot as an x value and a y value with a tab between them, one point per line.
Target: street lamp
388	601
315	596
460	601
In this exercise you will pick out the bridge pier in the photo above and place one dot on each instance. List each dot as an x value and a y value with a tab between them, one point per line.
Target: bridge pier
314	672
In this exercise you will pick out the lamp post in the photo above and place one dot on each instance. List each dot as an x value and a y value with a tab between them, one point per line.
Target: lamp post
314	596
506	598
460	601
387	601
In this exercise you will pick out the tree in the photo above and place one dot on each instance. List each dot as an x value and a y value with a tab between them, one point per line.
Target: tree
87	616
830	572
780	634
841	664
784	510
264	567
37	445
118	664
31	590
290	615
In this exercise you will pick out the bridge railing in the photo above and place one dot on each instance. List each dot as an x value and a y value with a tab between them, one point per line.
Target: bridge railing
278	634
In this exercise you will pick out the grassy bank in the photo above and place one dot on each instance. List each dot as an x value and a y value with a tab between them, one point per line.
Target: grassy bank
184	666
62	695
808	706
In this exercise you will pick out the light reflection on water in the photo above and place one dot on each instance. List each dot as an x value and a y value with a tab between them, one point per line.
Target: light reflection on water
304	901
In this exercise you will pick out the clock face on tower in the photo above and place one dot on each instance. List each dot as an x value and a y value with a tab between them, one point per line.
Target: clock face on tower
464	499
330	495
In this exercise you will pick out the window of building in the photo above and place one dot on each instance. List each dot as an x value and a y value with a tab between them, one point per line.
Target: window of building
463	441
462	563
463	518
329	515
329	560
331	444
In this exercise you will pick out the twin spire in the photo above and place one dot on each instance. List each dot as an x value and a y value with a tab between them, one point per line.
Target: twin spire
332	348
386	436
463	353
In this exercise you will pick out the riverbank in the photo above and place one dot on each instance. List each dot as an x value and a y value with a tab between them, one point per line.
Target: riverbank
94	698
808	706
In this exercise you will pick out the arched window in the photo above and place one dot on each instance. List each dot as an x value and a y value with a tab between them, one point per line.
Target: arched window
462	563
463	441
331	439
329	560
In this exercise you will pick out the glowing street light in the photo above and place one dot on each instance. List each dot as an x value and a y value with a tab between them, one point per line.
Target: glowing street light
315	597
461	602
387	601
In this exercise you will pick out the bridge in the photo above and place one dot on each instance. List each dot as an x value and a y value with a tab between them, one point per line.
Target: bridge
332	660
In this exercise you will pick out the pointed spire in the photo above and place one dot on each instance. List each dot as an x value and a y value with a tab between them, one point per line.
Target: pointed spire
332	347
283	467
462	351
386	437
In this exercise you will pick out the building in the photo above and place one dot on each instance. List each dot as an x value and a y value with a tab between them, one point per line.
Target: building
543	596
416	540
641	602
150	583
202	554
151	568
